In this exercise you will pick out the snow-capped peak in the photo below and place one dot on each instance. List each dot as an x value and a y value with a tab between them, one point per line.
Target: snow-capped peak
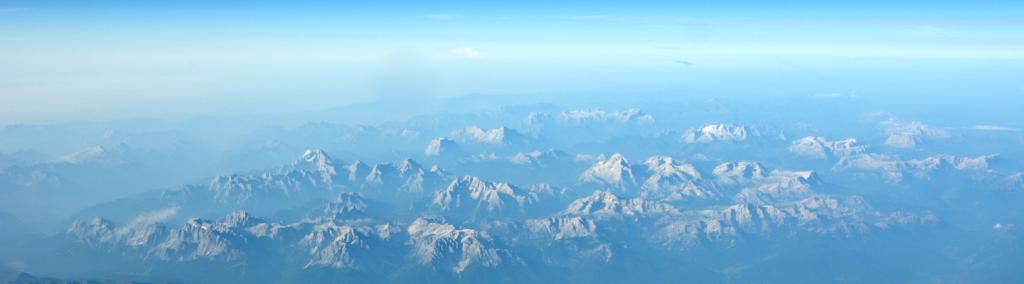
606	204
491	196
497	136
347	204
615	172
598	115
316	160
909	134
670	179
408	165
716	132
893	168
820	148
666	166
440	146
537	157
443	244
314	156
87	154
737	172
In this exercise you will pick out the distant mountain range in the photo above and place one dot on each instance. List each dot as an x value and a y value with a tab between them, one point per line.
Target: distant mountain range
518	194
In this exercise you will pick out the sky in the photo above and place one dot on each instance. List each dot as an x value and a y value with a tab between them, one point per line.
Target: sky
98	60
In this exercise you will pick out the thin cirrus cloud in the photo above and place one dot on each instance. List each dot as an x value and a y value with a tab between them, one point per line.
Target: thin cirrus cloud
928	24
149	218
920	24
641	51
994	128
467	53
911	38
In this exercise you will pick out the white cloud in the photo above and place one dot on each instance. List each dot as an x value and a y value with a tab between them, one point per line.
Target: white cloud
467	52
154	217
1004	227
148	218
994	128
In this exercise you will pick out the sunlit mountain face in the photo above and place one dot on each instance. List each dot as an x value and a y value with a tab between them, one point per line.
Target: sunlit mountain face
574	142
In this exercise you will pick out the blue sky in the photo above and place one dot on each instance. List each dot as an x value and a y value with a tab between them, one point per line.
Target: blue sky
75	60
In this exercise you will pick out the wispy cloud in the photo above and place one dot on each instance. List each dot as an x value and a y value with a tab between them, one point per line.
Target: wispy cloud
994	128
148	218
467	52
928	25
673	19
153	217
